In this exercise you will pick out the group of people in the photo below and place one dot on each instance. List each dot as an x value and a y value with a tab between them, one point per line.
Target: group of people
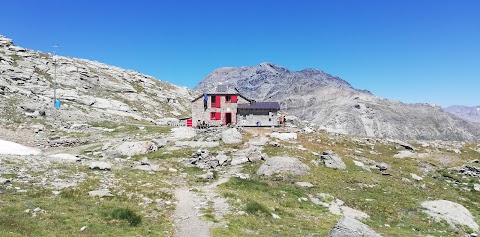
202	125
282	121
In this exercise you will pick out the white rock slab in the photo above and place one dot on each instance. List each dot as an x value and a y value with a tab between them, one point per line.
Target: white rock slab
285	136
183	133
65	157
453	213
12	148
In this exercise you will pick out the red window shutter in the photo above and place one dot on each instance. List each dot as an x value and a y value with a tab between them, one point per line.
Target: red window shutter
217	102
212	116
234	99
218	116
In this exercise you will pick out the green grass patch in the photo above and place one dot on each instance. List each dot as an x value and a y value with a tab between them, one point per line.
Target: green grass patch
11	113
44	74
126	214
73	208
9	176
253	207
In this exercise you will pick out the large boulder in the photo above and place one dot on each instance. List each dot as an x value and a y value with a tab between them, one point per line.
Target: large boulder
100	193
181	133
232	136
132	148
100	165
63	157
349	227
285	136
282	164
332	160
402	143
453	213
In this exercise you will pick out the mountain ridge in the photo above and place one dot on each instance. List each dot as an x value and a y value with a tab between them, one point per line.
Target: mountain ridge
333	104
88	90
465	112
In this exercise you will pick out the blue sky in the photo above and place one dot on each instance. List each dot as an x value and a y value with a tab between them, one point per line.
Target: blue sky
407	50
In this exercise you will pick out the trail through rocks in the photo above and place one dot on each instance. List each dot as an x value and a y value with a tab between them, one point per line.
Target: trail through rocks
188	217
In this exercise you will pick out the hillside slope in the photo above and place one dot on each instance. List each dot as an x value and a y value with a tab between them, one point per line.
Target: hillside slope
465	112
335	105
89	91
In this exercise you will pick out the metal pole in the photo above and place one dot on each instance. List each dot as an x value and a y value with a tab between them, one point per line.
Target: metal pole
55	75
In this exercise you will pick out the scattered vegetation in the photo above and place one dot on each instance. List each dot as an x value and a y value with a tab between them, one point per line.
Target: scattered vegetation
126	214
393	204
253	207
139	88
11	113
44	74
15	59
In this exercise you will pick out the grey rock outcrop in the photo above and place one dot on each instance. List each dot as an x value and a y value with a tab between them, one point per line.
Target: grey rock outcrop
65	157
183	133
132	148
331	160
304	184
99	165
469	170
334	105
100	193
231	136
349	227
88	90
282	164
4	181
203	159
476	187
402	144
453	213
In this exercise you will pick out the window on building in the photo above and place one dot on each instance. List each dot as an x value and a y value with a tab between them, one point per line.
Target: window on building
228	98
215	115
215	102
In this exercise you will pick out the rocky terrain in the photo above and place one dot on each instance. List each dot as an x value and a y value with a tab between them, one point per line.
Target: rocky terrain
335	105
107	164
163	181
88	91
465	112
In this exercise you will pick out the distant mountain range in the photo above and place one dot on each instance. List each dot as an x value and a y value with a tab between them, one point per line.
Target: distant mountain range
333	104
465	112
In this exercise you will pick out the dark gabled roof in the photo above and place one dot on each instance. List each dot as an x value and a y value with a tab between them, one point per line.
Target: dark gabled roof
227	92
260	105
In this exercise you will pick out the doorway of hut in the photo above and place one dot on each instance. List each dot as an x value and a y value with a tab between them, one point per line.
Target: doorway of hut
228	118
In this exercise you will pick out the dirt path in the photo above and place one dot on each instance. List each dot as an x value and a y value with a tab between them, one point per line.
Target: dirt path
188	217
188	221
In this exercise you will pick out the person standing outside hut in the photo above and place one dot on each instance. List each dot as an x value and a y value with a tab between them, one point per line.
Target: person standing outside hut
280	121
284	121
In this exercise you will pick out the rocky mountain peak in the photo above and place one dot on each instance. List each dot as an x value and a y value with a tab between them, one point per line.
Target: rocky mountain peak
5	42
465	112
334	105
